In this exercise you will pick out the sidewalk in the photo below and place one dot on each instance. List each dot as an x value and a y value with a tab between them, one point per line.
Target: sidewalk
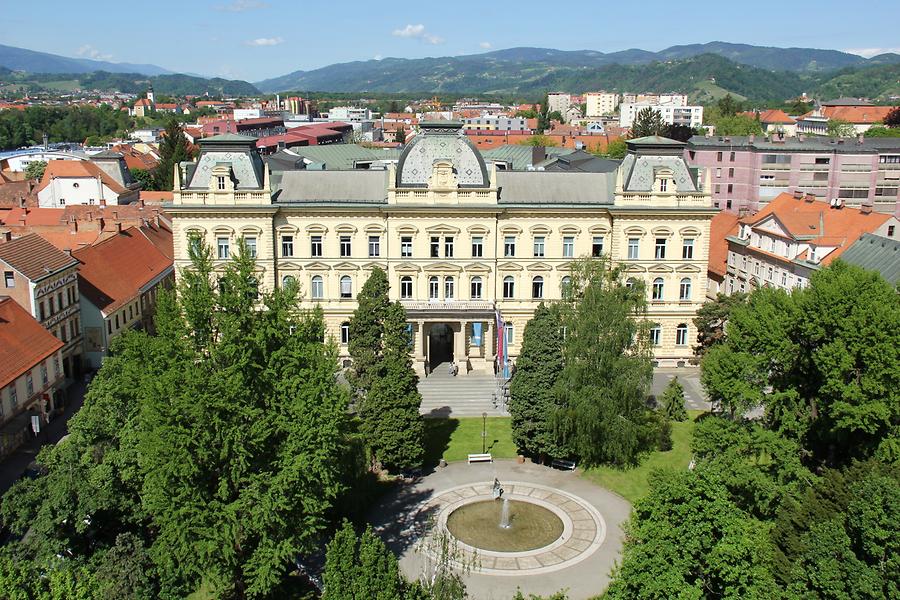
14	465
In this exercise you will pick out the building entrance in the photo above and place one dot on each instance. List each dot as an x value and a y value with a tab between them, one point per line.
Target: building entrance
440	345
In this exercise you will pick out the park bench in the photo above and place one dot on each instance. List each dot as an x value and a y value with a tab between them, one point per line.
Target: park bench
559	463
476	458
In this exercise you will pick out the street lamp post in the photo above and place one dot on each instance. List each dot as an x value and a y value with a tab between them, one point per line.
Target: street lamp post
483	432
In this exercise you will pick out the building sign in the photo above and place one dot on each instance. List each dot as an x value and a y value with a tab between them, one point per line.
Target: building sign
55	285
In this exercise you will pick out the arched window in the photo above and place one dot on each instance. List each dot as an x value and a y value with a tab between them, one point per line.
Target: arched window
406	288
537	287
475	289
289	282
657	289
346	287
448	288
345	333
566	285
681	335
318	287
509	287
684	290
433	288
630	283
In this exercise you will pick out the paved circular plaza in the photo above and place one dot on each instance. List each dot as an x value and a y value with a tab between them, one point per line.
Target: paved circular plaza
579	561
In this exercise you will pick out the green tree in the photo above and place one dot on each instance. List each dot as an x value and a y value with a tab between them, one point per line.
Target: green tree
673	401
606	377
173	150
878	131
840	128
728	106
648	121
893	118
35	169
389	413
682	133
738	125
145	178
711	320
367	331
555	116
360	568
616	149
533	402
686	539
539	140
400	135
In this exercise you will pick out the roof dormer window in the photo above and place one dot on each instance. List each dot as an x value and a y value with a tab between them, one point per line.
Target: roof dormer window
220	183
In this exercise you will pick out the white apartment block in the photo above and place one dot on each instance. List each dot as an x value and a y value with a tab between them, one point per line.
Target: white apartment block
673	114
558	101
676	99
601	103
350	114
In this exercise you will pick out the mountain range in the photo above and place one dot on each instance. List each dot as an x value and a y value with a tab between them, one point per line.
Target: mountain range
20	59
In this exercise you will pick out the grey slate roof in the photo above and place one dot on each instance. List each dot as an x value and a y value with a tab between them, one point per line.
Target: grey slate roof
326	187
520	155
876	253
333	157
581	161
551	188
793	144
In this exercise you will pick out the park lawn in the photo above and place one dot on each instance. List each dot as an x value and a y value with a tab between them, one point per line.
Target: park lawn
453	439
632	484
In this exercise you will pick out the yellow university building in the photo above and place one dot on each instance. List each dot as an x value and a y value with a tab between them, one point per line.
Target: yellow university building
459	238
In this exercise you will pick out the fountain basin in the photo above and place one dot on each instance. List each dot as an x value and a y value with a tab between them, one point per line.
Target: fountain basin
477	524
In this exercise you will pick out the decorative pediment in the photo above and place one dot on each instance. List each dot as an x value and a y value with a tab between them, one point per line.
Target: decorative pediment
689	232
287	229
510	229
195	230
570	229
223	229
443	267
635	269
510	266
316	228
316	266
345	228
565	267
289	266
407	267
539	229
688	269
635	230
478	229
372	265
540	266
661	269
407	228
601	229
374	228
662	231
442	228
477	268
251	229
346	266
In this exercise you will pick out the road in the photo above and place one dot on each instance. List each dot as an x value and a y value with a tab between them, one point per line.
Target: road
694	398
14	465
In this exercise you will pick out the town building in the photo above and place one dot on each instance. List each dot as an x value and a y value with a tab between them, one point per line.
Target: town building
496	123
102	180
674	98
775	122
861	115
559	102
30	374
16	161
350	114
749	171
44	281
461	241
119	281
795	235
599	104
876	253
672	113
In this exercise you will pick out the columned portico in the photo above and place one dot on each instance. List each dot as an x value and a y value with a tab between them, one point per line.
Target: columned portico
451	330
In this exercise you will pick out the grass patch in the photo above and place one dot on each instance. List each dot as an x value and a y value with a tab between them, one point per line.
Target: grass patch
632	484
453	439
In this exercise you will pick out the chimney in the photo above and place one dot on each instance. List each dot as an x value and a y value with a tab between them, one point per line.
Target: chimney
74	228
102	223
866	209
102	202
810	197
141	202
861	138
22	202
156	221
7	236
115	215
798	194
538	154
118	228
751	138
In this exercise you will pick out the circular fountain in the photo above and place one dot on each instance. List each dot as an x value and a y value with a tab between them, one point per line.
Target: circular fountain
504	525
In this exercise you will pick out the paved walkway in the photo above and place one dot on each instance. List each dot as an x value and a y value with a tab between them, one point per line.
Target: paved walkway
14	465
694	396
400	517
470	395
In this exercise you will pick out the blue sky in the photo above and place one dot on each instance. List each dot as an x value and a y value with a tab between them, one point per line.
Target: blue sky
257	39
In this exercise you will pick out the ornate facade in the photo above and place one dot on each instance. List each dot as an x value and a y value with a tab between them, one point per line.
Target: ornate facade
459	239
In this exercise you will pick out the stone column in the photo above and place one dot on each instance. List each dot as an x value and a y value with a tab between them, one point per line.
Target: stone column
487	336
419	346
425	349
459	350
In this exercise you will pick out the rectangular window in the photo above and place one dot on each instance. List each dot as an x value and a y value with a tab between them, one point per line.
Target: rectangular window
510	333
717	188
374	246
730	171
477	247
823	161
448	288
287	245
345	333
681	336
655	334
568	247
475	288
718	172
719	156
784	278
41	311
220	183
13	395
663	185
73	329
315	245
222	246
29	385
406	246
9	279
448	247
687	249
633	248
44	378
509	245
539	247
597	245
109	327
730	188
435	247
250	242
776	159
659	251
731	157
345	245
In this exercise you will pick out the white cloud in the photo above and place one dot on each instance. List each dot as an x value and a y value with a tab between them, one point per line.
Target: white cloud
485	45
89	51
870	52
273	41
418	32
242	6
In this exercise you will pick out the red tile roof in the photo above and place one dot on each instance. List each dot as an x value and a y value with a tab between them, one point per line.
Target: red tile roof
113	271
817	223
773	116
34	257
24	343
723	224
78	168
135	159
857	114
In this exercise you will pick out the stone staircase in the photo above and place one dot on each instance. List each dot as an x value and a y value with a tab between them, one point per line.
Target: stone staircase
462	396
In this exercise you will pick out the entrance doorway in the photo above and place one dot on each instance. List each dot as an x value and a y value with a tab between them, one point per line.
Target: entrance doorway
440	344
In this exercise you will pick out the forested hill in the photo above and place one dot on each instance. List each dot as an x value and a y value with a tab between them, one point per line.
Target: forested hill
705	77
172	85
